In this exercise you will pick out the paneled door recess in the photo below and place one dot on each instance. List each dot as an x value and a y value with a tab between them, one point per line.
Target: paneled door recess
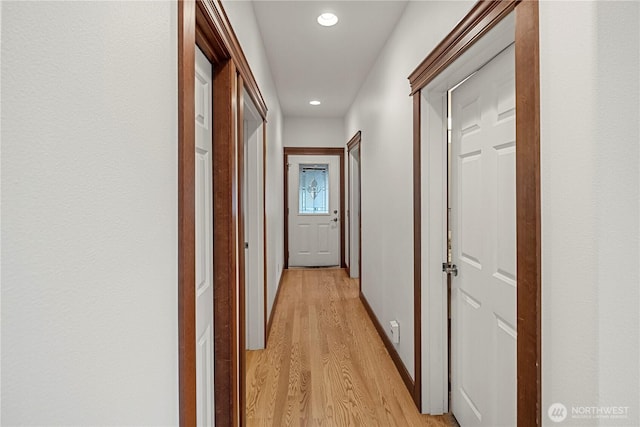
314	211
483	226
204	242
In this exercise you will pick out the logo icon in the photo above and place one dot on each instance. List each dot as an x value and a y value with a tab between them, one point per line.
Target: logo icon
557	412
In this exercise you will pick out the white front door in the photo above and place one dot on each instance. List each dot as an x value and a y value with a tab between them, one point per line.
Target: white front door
314	211
204	242
483	224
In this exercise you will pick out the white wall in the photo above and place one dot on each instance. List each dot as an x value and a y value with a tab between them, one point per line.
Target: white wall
383	111
244	24
590	206
312	132
89	213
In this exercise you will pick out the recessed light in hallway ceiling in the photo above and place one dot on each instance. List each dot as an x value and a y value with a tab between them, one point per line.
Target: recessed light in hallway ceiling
315	102
330	64
327	19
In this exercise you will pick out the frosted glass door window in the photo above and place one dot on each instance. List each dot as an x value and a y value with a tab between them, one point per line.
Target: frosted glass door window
314	189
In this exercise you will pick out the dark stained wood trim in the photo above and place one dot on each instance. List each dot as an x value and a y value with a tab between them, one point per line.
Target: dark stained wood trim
360	216
216	17
242	300
275	304
285	211
225	185
402	370
482	18
528	213
186	214
264	226
417	254
354	143
314	151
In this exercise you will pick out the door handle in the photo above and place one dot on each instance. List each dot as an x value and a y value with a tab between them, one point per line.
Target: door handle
335	220
450	268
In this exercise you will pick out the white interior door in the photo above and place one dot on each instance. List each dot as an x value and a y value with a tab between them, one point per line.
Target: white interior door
314	211
483	224
354	213
204	242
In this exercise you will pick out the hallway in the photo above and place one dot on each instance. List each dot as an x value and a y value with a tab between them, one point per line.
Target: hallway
325	363
150	167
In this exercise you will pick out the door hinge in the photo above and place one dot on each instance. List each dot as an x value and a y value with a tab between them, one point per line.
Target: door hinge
449	268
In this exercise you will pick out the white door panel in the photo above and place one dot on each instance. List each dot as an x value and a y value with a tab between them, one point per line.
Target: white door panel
204	243
482	200
314	220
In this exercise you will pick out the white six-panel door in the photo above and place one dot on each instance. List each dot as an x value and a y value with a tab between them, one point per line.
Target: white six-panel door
314	237
204	242
483	224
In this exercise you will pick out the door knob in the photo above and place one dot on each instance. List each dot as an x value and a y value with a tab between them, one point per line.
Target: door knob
449	268
335	220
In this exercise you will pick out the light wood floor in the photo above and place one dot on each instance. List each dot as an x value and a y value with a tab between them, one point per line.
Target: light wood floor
325	364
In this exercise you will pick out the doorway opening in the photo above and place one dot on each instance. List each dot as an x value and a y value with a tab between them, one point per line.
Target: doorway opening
314	206
454	218
254	227
354	213
482	36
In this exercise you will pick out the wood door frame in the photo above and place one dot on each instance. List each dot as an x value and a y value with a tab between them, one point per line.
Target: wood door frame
205	24
313	151
482	18
353	144
264	229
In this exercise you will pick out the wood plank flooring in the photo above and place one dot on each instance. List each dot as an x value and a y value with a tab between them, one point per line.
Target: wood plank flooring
325	364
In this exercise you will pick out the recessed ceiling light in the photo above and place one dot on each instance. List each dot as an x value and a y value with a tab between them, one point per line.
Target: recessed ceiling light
327	19
315	102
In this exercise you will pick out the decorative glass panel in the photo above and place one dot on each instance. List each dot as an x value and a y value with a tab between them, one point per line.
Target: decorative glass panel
314	189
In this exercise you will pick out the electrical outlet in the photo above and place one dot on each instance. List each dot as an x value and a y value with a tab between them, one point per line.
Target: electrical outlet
395	331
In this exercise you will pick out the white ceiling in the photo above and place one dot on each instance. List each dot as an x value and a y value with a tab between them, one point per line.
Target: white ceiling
309	61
